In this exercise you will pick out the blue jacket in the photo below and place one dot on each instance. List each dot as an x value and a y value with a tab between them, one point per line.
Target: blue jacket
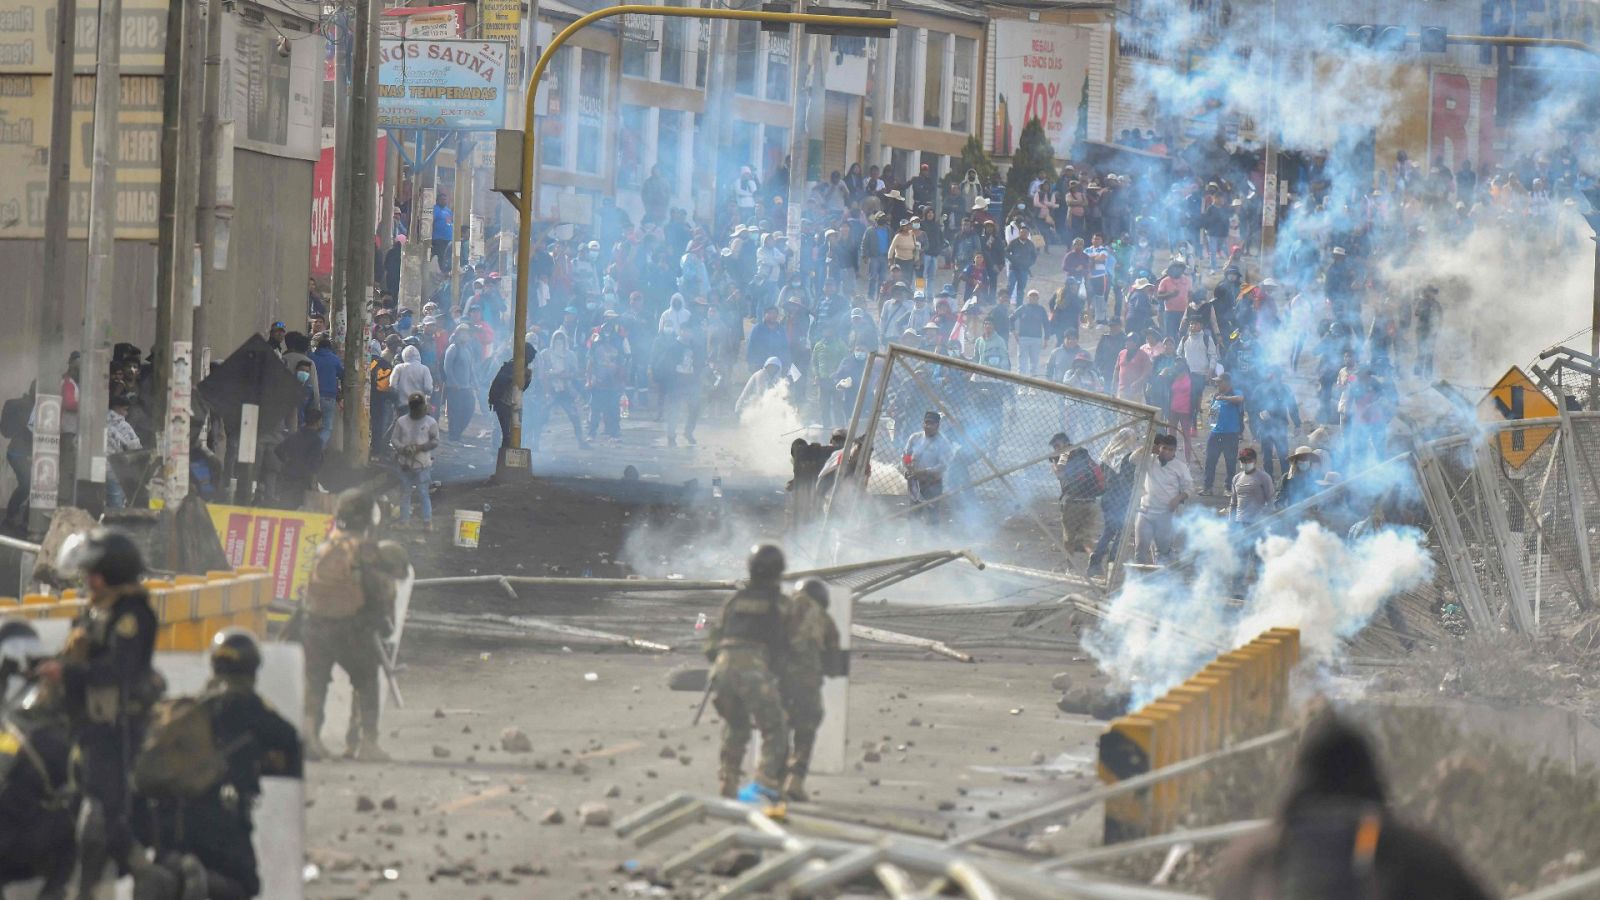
444	223
767	342
330	368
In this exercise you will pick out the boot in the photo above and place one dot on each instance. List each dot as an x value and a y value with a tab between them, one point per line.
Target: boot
314	749
92	850
730	783
369	751
794	788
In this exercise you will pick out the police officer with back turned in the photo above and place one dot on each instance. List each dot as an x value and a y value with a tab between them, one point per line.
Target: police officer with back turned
349	605
744	648
813	653
206	839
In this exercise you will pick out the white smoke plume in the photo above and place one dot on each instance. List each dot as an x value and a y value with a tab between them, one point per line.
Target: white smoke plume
1165	627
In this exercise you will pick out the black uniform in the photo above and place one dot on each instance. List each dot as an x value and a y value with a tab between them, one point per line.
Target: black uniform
349	602
36	817
110	686
216	827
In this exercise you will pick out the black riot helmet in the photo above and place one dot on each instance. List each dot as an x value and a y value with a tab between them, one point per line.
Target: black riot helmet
766	562
816	589
234	651
19	649
106	552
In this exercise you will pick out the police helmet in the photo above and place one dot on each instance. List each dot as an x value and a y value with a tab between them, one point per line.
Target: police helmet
234	651
816	589
766	562
19	647
394	561
106	552
357	510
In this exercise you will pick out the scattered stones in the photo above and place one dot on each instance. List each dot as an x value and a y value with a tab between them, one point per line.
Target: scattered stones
393	829
613	792
515	740
946	805
553	816
365	804
440	752
438	713
389	804
1061	681
595	815
1037	758
872	756
668	753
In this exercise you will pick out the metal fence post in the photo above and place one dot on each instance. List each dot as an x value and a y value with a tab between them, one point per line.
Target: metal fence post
1436	496
1494	512
1580	528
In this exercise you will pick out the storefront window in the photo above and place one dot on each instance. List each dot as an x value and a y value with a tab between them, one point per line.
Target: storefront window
553	126
961	84
630	146
904	84
746	57
674	37
669	143
933	80
778	44
591	111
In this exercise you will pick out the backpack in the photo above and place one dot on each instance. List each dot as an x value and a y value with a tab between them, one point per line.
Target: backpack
14	417
381	370
180	758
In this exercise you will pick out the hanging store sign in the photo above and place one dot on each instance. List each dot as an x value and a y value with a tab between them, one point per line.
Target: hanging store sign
442	85
424	22
1040	73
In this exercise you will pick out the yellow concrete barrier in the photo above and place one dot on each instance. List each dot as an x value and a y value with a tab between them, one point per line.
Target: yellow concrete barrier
1241	694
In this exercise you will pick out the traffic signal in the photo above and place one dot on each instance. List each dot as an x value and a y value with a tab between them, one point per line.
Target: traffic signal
1433	39
1390	38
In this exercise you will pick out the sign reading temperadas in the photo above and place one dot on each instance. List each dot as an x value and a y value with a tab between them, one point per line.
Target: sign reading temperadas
442	85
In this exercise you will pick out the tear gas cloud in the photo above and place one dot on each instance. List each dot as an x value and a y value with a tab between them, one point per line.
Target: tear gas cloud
1163	628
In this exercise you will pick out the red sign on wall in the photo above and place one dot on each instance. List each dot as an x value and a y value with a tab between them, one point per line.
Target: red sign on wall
322	176
1459	133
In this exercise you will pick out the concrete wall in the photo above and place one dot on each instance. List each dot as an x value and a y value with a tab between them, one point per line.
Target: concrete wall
268	263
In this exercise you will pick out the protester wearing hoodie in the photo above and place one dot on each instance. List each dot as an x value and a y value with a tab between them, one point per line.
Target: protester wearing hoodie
411	376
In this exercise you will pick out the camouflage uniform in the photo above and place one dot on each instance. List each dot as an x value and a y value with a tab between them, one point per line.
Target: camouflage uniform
813	649
748	636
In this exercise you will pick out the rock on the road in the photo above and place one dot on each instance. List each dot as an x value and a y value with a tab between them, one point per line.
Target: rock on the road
515	740
595	815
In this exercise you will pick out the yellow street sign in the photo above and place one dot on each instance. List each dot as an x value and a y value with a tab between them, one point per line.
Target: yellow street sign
1515	397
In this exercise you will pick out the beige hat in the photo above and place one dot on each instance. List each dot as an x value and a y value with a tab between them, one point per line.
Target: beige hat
1141	284
980	204
1300	451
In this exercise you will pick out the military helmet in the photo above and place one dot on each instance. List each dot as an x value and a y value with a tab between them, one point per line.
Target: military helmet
107	552
357	510
766	562
394	561
234	651
816	589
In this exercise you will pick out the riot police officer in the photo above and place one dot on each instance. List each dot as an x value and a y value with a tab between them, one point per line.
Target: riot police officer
109	686
743	647
206	839
349	605
813	653
36	813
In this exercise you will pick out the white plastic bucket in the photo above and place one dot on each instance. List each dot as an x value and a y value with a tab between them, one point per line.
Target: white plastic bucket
469	522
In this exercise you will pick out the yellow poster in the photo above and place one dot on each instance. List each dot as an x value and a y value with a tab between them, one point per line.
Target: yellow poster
284	542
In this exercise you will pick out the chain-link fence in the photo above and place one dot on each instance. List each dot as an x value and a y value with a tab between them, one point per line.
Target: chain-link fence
991	478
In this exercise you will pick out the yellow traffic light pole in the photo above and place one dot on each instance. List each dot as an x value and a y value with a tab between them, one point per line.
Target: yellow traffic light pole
525	200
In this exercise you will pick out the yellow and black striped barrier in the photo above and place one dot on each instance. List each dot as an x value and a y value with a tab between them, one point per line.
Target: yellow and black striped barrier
190	608
1241	694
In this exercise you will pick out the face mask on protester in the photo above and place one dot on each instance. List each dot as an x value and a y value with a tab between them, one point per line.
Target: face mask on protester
303	376
1300	465
1249	467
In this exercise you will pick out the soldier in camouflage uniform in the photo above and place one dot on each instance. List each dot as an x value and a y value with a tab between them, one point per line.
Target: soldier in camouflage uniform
813	654
748	639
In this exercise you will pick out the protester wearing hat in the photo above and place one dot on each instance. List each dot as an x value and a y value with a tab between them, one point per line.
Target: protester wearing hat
924	459
1299	483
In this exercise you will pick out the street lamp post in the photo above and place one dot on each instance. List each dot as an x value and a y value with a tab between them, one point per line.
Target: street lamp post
513	456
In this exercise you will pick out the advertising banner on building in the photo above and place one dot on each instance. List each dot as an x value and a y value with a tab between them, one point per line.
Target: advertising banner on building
442	85
284	542
28	34
501	20
322	176
274	99
25	152
1040	73
424	22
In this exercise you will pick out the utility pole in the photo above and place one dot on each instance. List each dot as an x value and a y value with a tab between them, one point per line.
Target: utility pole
360	224
206	210
342	192
181	376
45	475
1269	175
879	97
799	144
167	234
463	199
101	272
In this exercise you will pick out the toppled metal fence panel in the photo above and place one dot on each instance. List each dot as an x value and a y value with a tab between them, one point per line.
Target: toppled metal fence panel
998	427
